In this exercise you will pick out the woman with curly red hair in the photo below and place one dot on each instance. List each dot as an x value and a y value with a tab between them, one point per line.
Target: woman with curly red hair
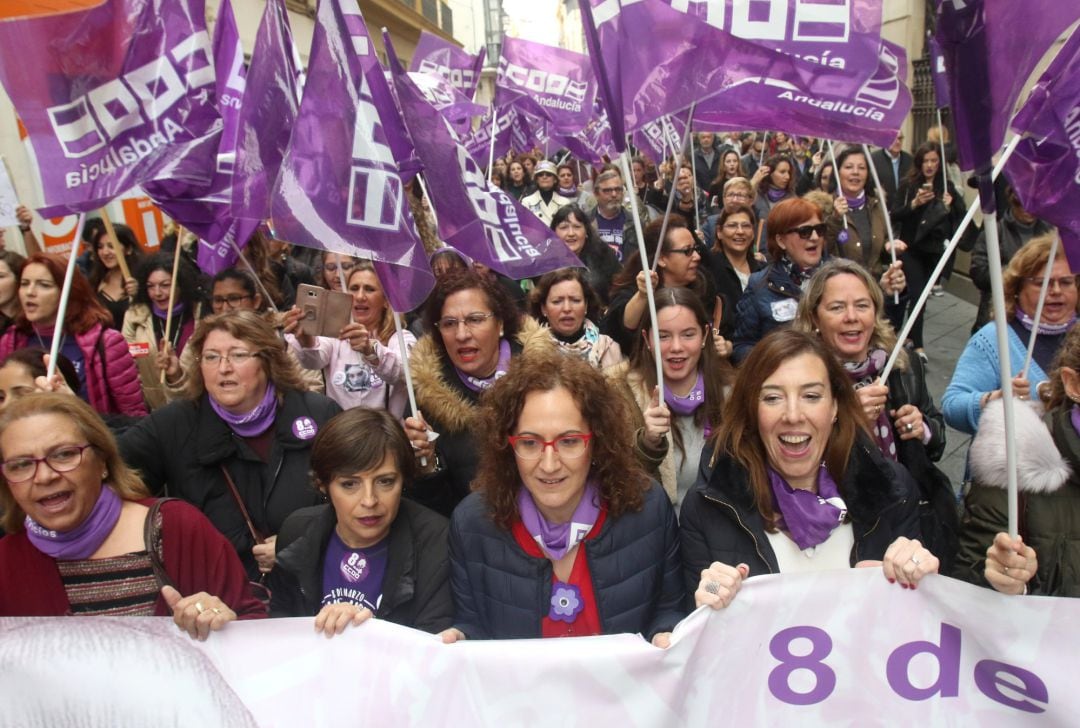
565	535
108	378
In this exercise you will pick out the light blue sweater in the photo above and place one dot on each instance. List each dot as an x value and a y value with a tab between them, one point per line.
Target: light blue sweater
977	372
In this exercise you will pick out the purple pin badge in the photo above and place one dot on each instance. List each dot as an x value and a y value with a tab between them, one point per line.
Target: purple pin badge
304	428
842	237
566	603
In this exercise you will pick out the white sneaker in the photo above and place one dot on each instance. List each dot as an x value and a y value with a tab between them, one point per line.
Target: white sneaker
937	291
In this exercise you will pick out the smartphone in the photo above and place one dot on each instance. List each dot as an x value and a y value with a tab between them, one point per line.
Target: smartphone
325	313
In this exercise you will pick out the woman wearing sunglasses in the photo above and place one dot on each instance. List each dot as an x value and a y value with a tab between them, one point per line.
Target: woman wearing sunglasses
85	537
564	534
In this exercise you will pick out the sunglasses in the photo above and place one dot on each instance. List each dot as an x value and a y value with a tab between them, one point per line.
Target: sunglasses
807	231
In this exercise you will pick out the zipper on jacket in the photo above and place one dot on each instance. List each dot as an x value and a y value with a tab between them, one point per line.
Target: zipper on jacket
749	533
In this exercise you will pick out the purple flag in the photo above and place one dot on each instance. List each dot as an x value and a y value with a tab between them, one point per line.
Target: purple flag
340	188
657	138
267	114
991	47
873	115
938	73
681	58
475	217
438	57
214	257
113	97
1045	167
548	82
231	78
448	101
512	132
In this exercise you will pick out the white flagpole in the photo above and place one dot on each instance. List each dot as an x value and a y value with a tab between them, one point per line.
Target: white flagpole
644	255
884	211
941	142
494	131
405	368
65	294
764	141
836	176
671	195
1039	308
258	282
693	164
905	331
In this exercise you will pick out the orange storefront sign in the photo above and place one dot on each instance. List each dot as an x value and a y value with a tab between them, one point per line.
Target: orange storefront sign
30	8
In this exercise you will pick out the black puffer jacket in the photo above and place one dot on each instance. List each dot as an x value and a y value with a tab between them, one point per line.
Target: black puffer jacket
181	448
416	585
721	523
500	592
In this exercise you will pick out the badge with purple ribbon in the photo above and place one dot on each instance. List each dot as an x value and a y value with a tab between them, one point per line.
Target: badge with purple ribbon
304	428
842	237
566	603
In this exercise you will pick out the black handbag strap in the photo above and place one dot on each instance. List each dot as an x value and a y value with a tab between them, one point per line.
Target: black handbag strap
255	535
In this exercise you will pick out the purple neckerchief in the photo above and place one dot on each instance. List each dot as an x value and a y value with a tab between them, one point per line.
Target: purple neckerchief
863	374
85	539
856	203
689	404
809	518
556	539
1074	415
161	313
255	422
775	194
797	273
478	384
569	192
1044	328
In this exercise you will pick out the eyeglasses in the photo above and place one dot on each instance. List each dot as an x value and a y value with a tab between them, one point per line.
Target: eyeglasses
736	196
807	231
1065	283
611	190
63	459
530	447
333	267
472	321
684	251
738	226
231	300
236	358
159	286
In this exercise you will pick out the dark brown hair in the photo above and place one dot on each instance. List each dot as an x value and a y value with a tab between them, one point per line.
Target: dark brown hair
456	281
358	440
618	475
784	216
772	162
739	436
1067	356
547	281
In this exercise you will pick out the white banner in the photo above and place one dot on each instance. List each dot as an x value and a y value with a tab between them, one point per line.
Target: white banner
838	648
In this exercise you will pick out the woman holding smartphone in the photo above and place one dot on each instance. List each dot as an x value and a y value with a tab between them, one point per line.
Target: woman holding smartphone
925	214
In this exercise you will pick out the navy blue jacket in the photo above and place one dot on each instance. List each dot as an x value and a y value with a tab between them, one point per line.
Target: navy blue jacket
500	592
771	299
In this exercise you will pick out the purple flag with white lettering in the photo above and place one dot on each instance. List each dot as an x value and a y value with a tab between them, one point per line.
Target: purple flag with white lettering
214	257
873	115
660	139
1045	168
267	114
340	188
231	78
475	217
448	101
653	58
512	132
438	57
937	72
548	82
113	97
991	47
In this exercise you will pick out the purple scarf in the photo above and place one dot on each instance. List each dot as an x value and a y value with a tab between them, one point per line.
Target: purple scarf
477	384
85	539
556	539
689	404
1045	329
568	192
255	422
1074	415
809	518
775	194
856	203
862	375
162	313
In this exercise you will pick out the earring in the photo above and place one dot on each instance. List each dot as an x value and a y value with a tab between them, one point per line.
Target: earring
817	331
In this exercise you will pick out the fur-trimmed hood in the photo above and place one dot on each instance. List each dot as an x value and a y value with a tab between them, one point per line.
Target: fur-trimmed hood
1041	467
445	400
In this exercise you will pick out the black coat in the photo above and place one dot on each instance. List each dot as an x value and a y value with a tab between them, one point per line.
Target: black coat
180	449
729	288
927	228
500	592
883	162
721	523
416	585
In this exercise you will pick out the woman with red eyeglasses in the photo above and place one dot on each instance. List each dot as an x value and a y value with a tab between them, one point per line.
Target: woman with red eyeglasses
564	534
